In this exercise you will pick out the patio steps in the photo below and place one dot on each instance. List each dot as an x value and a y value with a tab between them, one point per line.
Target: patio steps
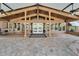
37	36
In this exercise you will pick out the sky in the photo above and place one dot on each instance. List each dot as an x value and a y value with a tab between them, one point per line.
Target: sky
53	5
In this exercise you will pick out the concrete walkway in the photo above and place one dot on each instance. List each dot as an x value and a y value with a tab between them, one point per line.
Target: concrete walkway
60	44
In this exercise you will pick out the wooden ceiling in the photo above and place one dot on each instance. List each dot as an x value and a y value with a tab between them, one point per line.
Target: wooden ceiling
13	16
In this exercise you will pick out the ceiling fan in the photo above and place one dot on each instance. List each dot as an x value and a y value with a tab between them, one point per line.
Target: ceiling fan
2	11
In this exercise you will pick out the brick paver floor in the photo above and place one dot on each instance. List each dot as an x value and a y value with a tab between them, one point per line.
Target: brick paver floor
60	44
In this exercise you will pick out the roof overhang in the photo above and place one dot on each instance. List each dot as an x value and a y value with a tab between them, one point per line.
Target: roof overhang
20	12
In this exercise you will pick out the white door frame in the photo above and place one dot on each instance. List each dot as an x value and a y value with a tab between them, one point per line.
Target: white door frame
37	28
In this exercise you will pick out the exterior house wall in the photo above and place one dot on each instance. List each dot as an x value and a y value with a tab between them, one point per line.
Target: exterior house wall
34	20
3	24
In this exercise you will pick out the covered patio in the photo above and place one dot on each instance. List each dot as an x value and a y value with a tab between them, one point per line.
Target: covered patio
20	20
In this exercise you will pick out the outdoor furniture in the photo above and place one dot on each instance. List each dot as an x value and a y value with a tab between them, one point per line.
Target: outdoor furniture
4	32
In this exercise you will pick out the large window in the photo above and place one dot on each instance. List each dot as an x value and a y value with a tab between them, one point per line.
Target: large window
51	26
56	26
14	25
22	27
18	26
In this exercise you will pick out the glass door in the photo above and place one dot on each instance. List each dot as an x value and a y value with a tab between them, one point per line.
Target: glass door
37	28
